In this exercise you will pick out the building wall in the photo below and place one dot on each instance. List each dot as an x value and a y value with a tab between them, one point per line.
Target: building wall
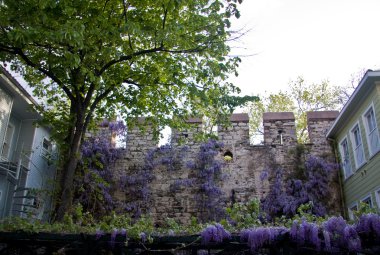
365	181
25	141
6	102
17	126
242	182
42	170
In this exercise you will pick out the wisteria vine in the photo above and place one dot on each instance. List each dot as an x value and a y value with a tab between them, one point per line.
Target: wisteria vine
209	174
334	235
284	198
136	185
95	179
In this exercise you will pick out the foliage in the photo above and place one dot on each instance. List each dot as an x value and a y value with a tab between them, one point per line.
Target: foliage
208	174
313	189
363	208
92	59
207	177
95	179
244	215
347	90
136	185
333	235
299	99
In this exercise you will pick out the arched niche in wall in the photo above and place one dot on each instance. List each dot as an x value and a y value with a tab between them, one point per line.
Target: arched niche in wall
228	156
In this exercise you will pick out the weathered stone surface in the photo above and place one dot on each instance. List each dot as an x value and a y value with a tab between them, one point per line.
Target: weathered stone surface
242	182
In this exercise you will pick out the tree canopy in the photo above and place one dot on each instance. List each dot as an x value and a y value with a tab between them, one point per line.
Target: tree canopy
90	59
300	98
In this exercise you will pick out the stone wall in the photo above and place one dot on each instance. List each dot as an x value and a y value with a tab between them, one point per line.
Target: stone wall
242	182
319	124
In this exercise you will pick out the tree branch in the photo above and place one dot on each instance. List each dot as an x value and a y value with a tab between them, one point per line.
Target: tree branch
93	107
128	81
125	58
48	73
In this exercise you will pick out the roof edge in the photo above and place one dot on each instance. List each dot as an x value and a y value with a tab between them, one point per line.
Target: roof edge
369	73
18	85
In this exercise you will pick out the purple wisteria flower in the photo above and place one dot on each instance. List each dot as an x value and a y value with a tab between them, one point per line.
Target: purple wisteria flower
214	234
256	238
369	224
309	186
113	237
352	239
327	239
99	233
93	183
143	237
306	233
264	175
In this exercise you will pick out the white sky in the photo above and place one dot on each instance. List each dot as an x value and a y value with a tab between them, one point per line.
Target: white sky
316	39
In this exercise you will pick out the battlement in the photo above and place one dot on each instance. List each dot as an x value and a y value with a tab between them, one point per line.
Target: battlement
279	129
244	167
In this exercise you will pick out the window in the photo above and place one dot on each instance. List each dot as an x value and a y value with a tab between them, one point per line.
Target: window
6	153
351	210
367	200
358	146
372	131
47	147
377	193
345	154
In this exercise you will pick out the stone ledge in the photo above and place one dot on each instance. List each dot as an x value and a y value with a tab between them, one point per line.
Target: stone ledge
322	115
278	116
239	117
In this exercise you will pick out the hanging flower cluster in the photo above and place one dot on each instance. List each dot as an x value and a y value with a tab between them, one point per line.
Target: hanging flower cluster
285	198
136	185
332	236
95	179
214	234
208	170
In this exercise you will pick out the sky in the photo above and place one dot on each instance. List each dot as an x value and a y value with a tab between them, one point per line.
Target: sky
317	39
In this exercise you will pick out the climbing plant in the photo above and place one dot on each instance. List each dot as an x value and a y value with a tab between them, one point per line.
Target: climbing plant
95	176
286	196
208	171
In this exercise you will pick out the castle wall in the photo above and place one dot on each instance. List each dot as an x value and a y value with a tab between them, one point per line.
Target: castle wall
319	124
242	182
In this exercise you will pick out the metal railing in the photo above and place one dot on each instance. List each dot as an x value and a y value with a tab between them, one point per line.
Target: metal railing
15	173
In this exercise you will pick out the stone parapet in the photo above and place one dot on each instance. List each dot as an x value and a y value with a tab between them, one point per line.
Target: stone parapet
279	128
319	124
242	172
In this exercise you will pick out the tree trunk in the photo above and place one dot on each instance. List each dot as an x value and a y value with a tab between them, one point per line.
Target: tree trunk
68	172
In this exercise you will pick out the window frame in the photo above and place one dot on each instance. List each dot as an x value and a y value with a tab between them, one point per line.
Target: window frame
343	159
377	197
369	196
355	147
8	143
351	211
369	132
46	153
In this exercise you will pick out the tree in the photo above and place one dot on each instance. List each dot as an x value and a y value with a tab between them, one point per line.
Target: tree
300	98
90	58
347	90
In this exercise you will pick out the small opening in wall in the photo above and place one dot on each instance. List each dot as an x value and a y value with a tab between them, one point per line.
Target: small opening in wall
256	135
165	136
228	156
280	132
